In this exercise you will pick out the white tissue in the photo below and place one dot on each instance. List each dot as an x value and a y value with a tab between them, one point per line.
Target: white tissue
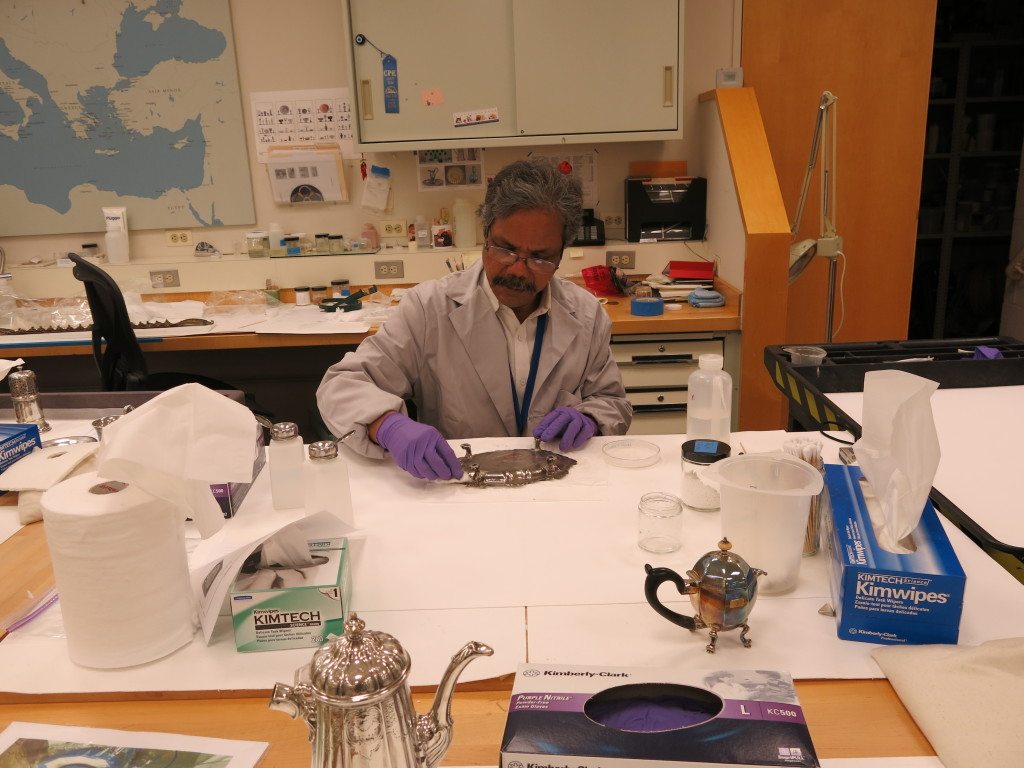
178	444
288	547
7	365
121	571
898	451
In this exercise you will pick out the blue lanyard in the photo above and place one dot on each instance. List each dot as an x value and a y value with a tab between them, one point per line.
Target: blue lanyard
522	413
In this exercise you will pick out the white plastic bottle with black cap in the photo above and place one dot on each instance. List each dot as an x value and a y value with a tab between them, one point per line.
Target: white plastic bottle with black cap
327	484
286	460
709	401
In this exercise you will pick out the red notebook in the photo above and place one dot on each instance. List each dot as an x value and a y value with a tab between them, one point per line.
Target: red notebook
690	270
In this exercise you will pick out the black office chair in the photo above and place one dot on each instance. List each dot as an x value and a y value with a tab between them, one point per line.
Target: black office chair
116	348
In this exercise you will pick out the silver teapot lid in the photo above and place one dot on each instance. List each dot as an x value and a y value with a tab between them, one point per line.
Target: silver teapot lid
723	564
360	665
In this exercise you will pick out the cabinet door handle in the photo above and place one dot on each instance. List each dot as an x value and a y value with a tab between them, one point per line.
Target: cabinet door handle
669	85
666	408
365	100
660	359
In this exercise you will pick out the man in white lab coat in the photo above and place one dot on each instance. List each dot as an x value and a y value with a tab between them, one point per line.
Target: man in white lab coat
502	348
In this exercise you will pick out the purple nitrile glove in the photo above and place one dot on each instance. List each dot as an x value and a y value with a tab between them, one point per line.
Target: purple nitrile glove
573	427
419	449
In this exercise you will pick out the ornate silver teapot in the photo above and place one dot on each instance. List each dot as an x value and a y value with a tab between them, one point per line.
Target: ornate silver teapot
722	588
356	702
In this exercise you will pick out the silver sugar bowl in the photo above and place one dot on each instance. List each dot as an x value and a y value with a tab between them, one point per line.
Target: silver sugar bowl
355	699
722	588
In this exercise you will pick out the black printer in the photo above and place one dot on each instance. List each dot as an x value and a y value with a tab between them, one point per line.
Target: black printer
673	208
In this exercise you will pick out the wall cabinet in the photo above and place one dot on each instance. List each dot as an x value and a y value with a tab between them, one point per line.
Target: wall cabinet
971	165
524	71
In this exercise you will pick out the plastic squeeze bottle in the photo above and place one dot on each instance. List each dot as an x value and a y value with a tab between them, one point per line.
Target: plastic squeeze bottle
286	461
116	238
709	401
276	237
327	484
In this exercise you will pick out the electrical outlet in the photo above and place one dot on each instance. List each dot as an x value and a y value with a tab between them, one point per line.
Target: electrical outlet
394	228
621	259
165	278
613	220
177	237
389	269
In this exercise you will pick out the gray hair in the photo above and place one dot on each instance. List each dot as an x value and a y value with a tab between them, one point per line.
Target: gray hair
528	185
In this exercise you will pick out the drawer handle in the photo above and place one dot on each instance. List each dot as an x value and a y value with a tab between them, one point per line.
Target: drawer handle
666	408
658	359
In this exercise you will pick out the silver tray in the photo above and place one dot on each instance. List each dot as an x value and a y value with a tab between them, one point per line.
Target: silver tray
513	466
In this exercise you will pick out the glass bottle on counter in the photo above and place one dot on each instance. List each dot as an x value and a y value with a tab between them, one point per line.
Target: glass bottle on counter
336	244
292	246
276	237
323	242
317	294
302	296
257	244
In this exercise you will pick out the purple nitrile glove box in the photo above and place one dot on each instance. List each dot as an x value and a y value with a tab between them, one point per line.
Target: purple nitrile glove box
632	717
231	495
880	596
17	440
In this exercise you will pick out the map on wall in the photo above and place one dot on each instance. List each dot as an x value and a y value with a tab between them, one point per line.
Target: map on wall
120	102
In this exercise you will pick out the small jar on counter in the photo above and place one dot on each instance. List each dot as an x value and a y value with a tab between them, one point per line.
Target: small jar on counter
698	454
292	246
317	293
90	250
257	244
339	288
302	296
323	242
336	244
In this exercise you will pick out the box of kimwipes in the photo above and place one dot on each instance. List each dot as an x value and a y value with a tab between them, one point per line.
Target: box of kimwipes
16	440
880	596
566	716
231	495
273	608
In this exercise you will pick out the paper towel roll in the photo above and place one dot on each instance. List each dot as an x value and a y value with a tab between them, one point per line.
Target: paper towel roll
121	570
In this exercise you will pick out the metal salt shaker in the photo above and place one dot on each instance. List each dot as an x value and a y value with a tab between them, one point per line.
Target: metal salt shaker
25	396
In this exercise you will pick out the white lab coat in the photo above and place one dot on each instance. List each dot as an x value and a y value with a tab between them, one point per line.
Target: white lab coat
444	348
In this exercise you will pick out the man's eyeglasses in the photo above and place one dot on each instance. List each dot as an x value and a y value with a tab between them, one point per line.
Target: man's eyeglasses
509	257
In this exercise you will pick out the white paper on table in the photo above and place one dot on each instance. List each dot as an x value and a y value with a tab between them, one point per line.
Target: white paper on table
80	742
309	320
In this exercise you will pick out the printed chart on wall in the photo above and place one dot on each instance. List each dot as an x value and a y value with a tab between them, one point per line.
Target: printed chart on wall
120	102
302	119
582	165
447	169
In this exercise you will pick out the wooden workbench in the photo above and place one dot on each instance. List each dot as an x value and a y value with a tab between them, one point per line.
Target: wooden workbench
687	319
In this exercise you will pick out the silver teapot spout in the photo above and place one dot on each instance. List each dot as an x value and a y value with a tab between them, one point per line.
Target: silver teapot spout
354	697
434	732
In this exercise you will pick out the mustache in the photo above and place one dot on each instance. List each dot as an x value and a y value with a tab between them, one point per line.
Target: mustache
515	283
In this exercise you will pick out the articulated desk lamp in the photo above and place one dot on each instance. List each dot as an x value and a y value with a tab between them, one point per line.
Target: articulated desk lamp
828	244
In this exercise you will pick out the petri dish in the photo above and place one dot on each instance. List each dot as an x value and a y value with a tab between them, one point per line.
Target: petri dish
631	453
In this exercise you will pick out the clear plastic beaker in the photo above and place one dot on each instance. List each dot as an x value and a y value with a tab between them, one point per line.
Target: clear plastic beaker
765	501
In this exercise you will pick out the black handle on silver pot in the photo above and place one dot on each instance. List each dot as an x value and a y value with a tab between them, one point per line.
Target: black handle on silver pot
655	578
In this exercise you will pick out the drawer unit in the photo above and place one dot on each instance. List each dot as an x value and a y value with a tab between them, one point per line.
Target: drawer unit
655	369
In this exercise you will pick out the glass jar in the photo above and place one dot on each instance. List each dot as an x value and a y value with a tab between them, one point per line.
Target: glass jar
323	242
339	288
317	294
302	296
291	246
337	244
90	250
257	244
660	528
697	454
